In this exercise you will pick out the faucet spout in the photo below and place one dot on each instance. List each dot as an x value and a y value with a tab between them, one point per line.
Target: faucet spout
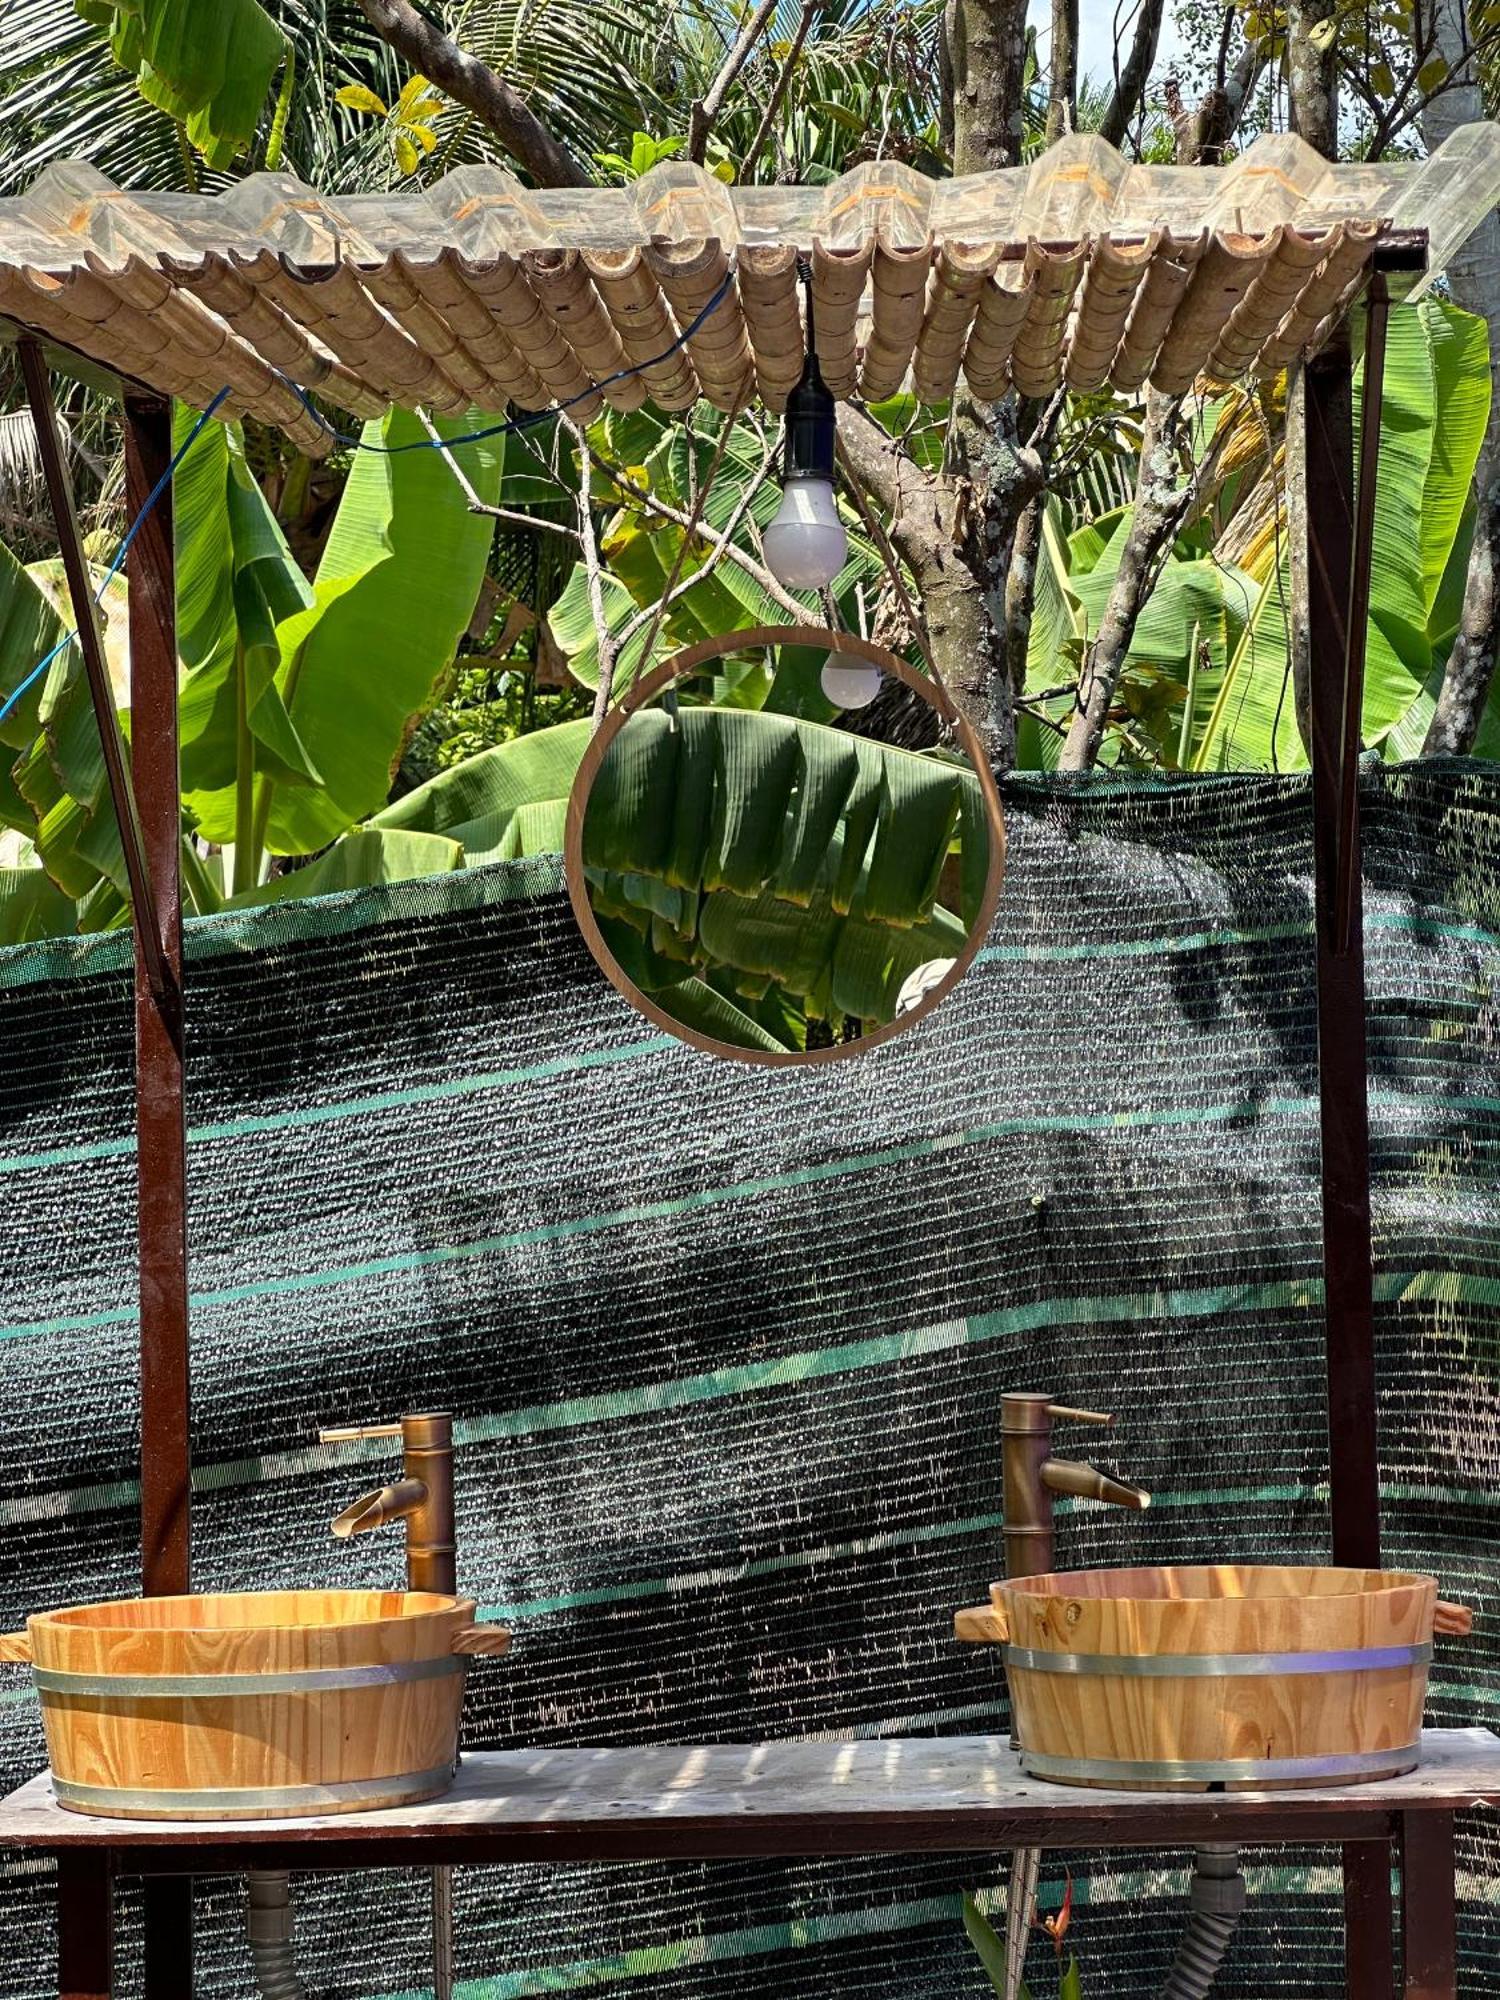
384	1503
1087	1482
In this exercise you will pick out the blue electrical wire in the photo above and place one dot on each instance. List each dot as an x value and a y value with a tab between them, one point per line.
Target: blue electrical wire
528	420
120	554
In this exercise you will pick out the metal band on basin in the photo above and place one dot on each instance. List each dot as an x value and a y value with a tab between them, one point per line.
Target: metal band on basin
1195	1666
258	1802
219	1687
1123	1772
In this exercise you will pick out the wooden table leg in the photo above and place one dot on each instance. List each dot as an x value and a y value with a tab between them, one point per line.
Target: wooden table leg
1429	1919
168	1943
1369	1956
85	1924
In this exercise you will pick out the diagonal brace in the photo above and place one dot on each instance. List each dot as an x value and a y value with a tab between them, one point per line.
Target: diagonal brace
163	984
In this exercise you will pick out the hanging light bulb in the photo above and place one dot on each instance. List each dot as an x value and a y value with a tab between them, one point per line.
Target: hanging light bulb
805	544
848	681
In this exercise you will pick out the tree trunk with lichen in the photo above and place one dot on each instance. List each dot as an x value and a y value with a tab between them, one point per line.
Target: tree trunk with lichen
985	56
954	530
1169	491
1312	73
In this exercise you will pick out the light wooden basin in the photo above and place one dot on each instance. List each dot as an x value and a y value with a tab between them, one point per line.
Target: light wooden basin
1204	1678
254	1704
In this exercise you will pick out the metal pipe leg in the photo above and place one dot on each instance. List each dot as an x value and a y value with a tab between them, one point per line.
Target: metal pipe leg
442	1934
1020	1913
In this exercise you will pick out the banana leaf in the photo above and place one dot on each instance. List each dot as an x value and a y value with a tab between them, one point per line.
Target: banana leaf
365	856
206	63
728	799
236	581
394	592
1434	412
504	802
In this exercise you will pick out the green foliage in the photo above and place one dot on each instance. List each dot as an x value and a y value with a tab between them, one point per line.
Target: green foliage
990	1948
209	67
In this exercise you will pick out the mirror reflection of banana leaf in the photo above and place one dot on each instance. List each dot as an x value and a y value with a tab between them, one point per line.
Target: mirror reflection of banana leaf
719	800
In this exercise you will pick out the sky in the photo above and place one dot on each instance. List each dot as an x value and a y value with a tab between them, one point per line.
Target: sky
1096	33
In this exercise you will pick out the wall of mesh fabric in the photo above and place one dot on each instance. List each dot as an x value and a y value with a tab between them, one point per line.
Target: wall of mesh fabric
725	1346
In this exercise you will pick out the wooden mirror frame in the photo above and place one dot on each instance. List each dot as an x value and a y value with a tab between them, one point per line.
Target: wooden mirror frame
688	662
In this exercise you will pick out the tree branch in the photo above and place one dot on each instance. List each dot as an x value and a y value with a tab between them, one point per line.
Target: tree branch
732	552
1062	66
986	46
474	85
1164	504
779	88
1131	82
706	108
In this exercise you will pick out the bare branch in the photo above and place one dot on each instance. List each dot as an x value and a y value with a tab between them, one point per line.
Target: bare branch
732	553
511	515
474	85
594	573
779	89
706	108
1130	82
721	547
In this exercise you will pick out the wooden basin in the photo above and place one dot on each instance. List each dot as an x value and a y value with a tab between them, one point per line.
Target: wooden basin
1215	1677
255	1704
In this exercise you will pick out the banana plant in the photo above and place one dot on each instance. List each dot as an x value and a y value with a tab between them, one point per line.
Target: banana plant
208	67
754	871
1207	682
296	698
1434	411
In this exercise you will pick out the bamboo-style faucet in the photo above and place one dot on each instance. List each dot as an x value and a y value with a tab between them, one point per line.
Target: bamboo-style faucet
1032	1475
422	1497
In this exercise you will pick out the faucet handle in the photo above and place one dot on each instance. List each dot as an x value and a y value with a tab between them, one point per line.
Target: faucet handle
353	1433
1060	1413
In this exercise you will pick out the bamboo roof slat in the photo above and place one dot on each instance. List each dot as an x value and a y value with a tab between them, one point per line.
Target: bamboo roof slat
1079	267
510	378
1003	306
691	275
1111	286
958	284
839	277
898	307
773	318
1036	362
1156	305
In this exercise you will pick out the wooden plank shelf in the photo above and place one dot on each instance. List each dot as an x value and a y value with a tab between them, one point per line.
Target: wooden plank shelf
658	1802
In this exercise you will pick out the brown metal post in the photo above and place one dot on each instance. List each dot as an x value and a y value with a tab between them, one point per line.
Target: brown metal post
85	1924
1337	652
1429	1919
86	620
161	1135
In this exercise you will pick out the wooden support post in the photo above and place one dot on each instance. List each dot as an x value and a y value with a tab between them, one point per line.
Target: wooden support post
85	1924
1429	1923
161	1126
1337	652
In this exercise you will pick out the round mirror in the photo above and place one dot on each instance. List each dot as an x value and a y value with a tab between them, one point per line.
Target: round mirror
784	845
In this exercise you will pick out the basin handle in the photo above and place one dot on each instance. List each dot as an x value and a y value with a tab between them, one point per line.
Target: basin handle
354	1433
16	1647
1454	1621
1060	1413
982	1625
490	1639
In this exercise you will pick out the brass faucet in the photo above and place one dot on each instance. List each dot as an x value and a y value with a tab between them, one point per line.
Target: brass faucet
422	1497
1032	1475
